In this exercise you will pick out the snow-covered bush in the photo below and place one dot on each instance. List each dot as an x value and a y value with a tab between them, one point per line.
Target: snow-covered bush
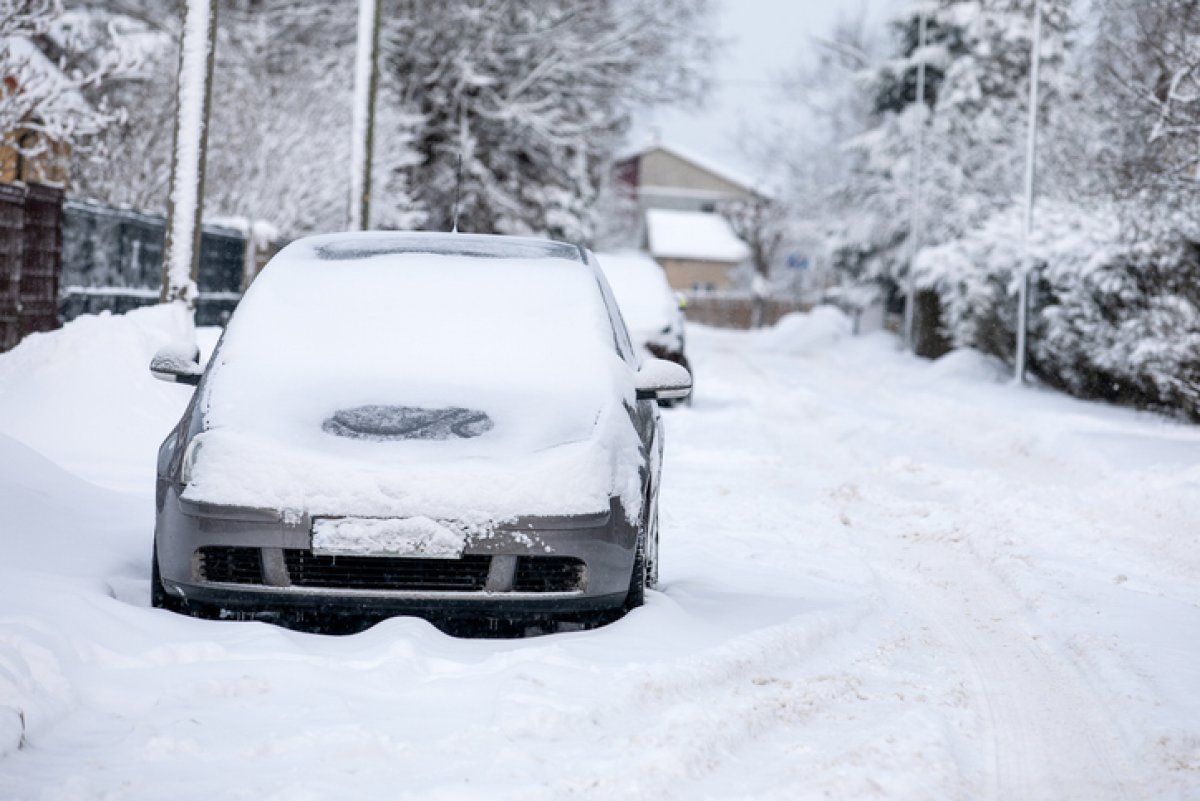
1112	316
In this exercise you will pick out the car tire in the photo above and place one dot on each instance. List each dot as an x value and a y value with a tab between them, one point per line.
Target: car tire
652	549
159	597
637	581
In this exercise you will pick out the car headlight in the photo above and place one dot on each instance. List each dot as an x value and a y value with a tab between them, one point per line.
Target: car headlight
189	460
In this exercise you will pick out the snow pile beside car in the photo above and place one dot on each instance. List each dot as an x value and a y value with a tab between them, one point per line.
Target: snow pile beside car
64	542
806	332
399	383
82	393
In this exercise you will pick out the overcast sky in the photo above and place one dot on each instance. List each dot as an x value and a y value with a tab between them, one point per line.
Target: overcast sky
766	37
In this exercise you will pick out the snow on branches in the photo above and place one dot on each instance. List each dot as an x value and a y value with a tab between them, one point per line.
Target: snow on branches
44	76
535	97
1114	305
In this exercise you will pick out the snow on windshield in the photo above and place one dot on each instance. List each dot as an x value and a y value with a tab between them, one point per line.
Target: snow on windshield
640	286
415	383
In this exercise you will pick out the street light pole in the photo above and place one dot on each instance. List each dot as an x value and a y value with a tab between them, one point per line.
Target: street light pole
915	233
185	200
1030	181
366	85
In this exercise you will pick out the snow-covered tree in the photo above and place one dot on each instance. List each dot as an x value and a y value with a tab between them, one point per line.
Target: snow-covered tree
278	146
1115	304
47	62
280	141
1147	81
977	65
535	97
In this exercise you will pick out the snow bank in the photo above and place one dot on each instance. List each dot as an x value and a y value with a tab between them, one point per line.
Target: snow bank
807	332
83	396
58	535
523	343
969	366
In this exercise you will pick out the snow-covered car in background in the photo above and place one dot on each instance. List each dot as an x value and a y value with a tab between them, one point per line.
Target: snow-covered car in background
648	304
443	425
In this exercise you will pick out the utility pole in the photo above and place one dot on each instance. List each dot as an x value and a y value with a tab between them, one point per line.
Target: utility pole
1030	181
915	233
366	85
185	204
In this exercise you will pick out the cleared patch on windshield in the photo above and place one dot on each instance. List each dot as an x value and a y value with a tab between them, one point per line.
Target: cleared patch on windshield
389	423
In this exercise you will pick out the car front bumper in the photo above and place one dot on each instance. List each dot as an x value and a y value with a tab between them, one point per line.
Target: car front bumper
254	561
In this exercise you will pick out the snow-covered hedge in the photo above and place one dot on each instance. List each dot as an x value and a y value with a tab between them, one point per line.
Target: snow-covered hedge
1108	319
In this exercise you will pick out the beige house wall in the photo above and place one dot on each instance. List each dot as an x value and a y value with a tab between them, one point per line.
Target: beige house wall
662	169
49	166
683	273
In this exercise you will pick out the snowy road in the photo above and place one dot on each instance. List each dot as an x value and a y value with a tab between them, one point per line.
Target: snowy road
882	578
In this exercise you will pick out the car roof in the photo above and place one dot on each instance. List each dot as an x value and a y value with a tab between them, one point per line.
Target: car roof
351	246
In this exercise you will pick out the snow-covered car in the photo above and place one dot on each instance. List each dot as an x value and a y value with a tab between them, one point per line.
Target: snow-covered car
648	304
434	424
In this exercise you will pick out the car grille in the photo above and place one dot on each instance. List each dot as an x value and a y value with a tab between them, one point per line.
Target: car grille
535	574
548	574
229	565
468	574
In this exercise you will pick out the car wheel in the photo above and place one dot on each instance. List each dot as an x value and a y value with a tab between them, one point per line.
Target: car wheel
652	549
159	597
637	582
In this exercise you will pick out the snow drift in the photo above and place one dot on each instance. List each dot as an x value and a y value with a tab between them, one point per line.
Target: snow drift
805	332
84	394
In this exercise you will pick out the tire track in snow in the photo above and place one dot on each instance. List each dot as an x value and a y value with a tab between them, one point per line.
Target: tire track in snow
1046	734
1049	738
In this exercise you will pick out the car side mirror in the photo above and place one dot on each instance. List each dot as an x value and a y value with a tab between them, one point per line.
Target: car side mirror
660	379
178	364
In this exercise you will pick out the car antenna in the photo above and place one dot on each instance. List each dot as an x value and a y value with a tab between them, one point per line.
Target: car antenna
457	194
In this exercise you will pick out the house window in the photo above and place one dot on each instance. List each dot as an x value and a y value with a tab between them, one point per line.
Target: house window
708	207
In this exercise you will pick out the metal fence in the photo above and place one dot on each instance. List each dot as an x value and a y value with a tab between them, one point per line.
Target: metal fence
60	259
112	261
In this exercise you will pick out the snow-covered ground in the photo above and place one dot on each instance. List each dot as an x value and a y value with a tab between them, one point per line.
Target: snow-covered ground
882	578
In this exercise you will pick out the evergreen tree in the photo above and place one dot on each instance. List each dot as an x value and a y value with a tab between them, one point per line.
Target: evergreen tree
977	61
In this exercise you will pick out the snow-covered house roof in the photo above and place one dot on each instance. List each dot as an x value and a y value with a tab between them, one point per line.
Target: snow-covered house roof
700	161
693	235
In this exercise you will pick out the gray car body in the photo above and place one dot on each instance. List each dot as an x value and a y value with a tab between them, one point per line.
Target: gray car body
606	543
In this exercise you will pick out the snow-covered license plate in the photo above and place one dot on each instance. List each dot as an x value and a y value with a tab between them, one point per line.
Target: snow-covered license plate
418	537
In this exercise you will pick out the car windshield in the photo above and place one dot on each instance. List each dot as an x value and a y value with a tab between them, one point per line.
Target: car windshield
405	345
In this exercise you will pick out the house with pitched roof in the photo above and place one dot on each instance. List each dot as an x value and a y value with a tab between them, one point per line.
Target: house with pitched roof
677	194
